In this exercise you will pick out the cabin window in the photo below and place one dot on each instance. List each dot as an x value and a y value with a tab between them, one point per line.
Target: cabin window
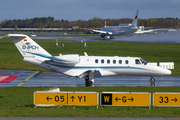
126	61
114	61
96	61
137	61
102	61
120	61
108	61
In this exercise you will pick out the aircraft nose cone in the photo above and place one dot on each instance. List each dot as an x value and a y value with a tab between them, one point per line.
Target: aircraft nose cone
167	72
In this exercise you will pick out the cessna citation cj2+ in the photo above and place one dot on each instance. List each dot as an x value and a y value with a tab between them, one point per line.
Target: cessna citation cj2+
87	67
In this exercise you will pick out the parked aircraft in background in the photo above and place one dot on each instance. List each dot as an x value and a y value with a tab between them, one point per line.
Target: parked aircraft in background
87	67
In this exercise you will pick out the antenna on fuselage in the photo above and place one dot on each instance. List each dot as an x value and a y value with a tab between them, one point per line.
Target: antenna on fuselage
105	23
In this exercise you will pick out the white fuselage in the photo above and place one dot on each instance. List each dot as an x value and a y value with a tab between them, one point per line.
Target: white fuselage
119	30
106	66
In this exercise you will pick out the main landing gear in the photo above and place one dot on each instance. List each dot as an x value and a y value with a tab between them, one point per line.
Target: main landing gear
152	80
88	82
89	78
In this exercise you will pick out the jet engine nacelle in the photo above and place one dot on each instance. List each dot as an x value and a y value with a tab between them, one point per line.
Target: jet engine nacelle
102	35
67	59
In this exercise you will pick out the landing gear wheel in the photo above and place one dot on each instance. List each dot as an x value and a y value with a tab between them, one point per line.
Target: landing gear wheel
88	82
152	80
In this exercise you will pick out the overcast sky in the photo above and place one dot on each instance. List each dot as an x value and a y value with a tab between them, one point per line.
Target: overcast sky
87	9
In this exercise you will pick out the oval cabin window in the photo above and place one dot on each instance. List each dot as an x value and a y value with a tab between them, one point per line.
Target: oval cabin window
127	62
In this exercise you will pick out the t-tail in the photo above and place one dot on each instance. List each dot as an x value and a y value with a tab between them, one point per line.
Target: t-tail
30	50
134	23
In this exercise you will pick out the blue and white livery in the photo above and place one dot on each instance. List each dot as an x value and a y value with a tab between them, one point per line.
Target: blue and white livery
87	67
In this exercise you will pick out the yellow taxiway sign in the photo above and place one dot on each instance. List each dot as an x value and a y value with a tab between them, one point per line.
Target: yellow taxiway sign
50	98
126	99
166	99
85	98
66	98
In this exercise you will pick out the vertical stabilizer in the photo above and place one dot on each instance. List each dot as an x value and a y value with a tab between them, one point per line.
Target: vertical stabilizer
29	48
134	23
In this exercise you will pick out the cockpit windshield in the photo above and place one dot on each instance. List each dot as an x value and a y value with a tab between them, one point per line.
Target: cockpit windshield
143	61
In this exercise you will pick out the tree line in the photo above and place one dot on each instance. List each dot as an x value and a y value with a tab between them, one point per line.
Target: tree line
50	22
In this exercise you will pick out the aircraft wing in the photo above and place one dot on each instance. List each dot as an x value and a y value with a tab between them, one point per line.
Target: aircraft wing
99	31
150	31
97	73
143	31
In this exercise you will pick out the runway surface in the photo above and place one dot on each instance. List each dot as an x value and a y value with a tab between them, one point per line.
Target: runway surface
149	38
11	78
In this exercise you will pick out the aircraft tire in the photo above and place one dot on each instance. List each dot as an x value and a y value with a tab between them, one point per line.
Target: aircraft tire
152	80
88	83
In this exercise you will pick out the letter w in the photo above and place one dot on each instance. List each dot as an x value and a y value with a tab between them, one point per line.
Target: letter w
106	98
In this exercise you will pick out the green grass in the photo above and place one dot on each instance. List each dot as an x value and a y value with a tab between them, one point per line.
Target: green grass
10	58
18	102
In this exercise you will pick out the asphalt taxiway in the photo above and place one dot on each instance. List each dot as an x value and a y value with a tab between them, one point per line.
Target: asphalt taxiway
11	78
148	38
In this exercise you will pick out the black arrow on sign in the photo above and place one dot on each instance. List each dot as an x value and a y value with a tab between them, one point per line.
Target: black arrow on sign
72	98
117	99
131	99
175	99
48	98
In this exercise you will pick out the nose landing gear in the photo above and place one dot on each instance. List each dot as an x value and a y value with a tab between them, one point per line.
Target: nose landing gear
152	80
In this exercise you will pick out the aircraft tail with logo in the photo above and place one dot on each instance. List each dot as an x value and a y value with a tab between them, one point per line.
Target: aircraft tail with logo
134	23
28	48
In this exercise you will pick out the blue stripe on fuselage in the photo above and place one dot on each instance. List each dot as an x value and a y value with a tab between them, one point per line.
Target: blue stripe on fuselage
84	67
94	67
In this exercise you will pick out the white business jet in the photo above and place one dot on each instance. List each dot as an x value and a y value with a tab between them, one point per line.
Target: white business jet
87	67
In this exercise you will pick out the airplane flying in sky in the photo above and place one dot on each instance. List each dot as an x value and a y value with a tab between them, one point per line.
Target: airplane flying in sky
109	32
87	67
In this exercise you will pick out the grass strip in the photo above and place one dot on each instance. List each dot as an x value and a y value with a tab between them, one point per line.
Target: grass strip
18	102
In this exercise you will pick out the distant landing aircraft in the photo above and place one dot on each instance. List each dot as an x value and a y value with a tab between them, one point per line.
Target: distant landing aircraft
109	32
87	67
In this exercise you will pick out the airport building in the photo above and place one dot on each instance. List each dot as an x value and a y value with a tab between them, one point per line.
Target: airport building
41	30
35	29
